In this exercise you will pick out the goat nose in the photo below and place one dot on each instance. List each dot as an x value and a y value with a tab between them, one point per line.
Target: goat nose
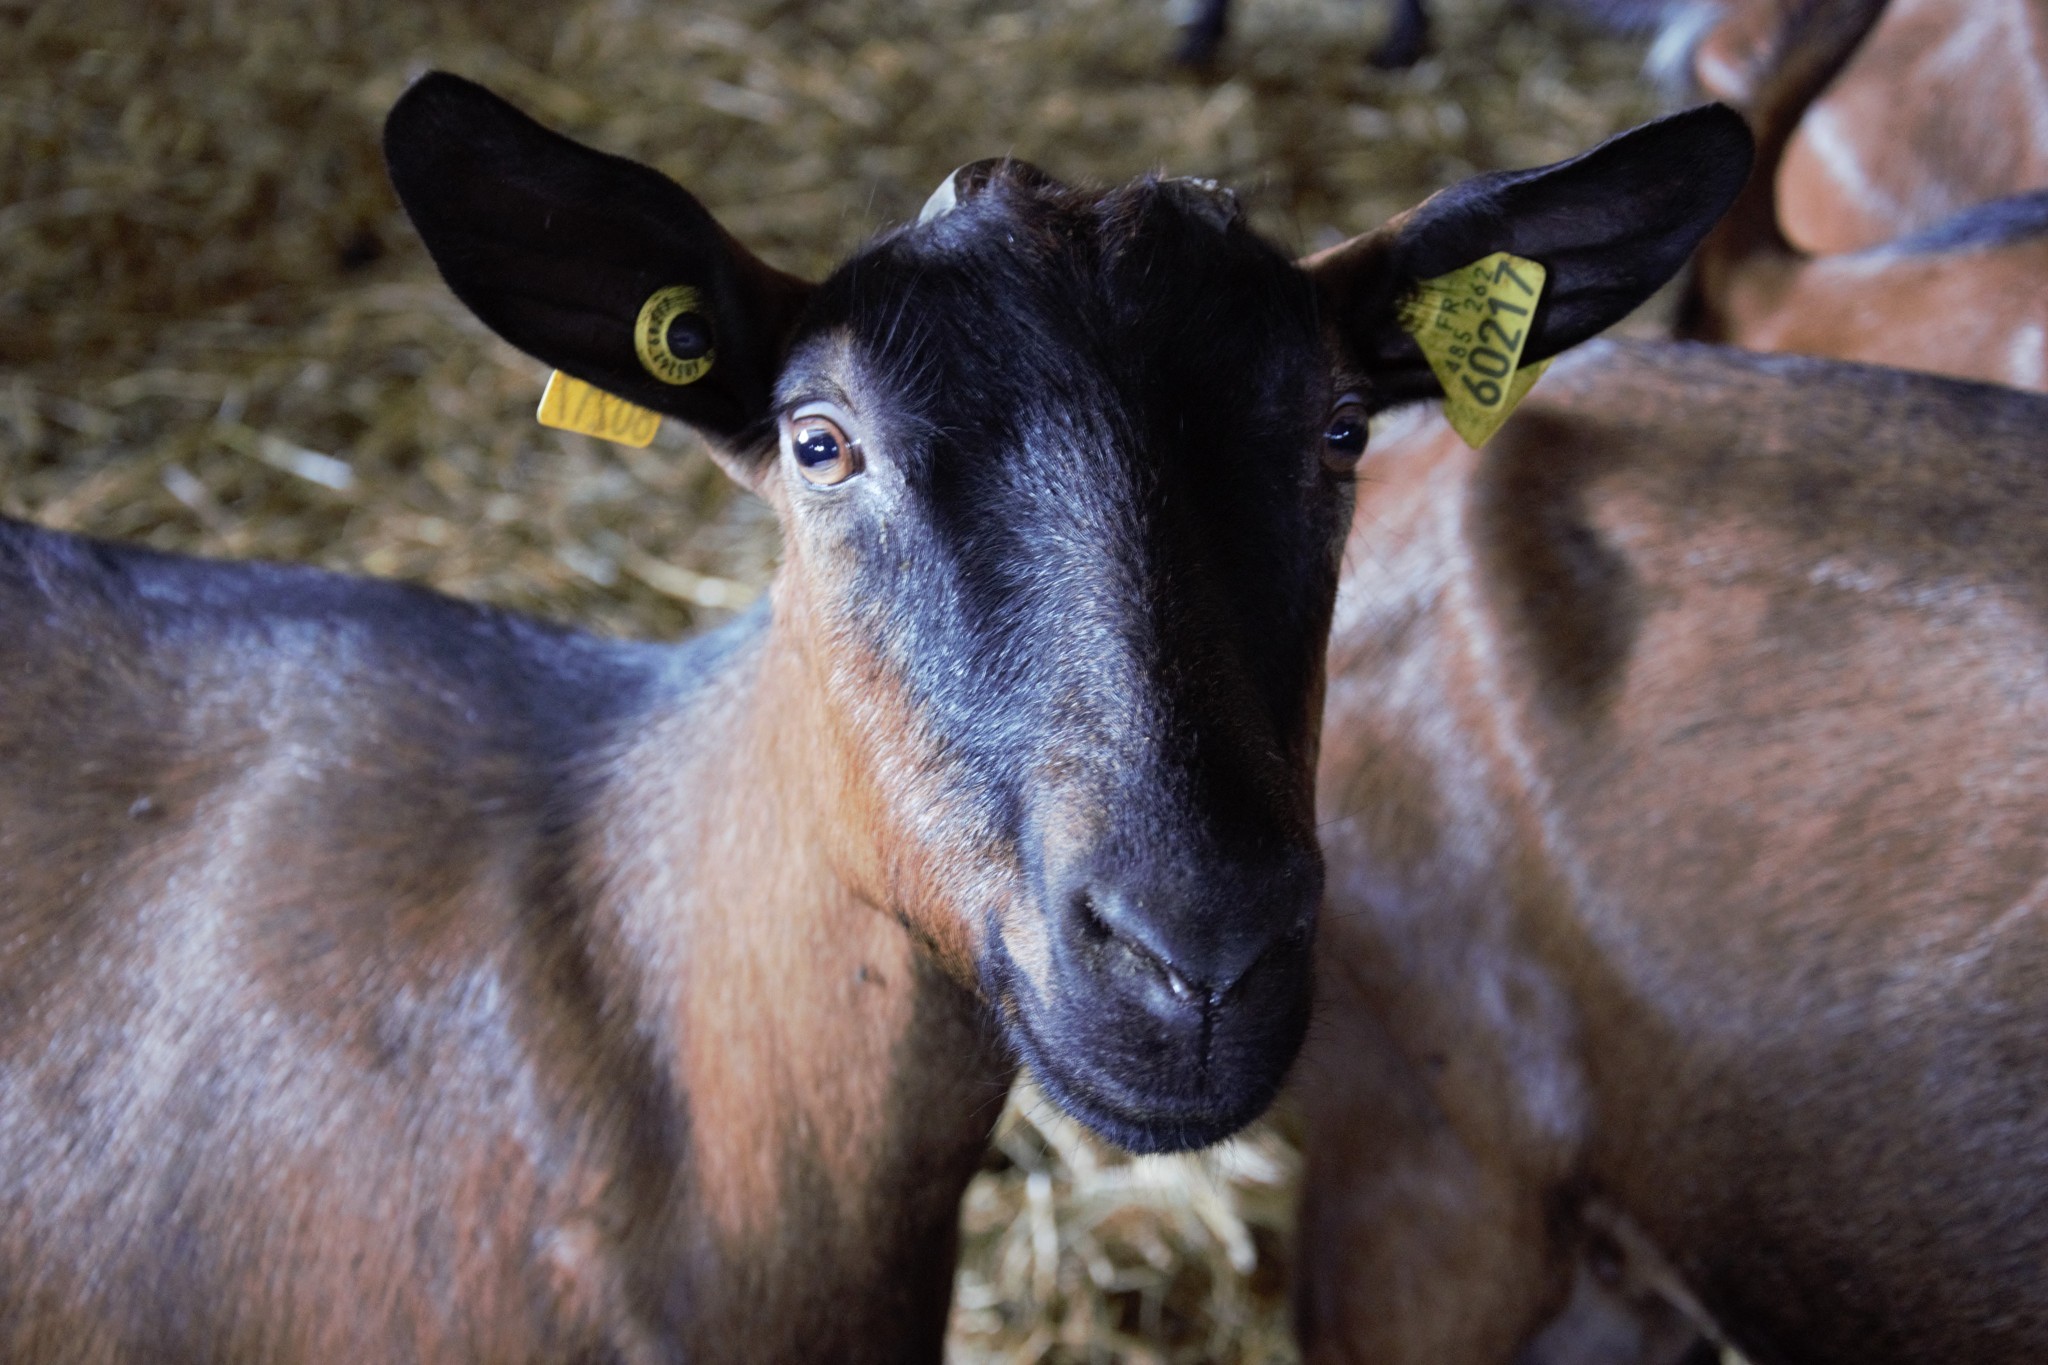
1197	947
1107	917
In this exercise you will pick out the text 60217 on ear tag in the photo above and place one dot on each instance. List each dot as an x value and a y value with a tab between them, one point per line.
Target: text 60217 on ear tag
569	404
1472	325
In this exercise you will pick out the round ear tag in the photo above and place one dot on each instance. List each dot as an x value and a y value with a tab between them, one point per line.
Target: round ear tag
673	337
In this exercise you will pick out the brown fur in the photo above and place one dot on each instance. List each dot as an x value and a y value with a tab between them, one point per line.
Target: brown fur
634	1153
1733	55
1975	310
1944	107
1727	936
1979	314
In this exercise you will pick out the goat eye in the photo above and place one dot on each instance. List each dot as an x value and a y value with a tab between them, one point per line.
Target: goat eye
824	453
1344	437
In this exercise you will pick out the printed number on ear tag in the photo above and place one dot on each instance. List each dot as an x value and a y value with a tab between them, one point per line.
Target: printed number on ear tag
572	405
1471	325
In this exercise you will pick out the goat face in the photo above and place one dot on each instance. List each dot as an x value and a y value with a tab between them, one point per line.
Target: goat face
1071	585
1063	479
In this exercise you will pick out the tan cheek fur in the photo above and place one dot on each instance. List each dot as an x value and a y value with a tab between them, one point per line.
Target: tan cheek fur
767	957
839	1082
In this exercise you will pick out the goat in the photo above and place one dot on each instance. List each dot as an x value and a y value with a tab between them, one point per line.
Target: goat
1963	298
1942	109
1945	107
1681	779
392	978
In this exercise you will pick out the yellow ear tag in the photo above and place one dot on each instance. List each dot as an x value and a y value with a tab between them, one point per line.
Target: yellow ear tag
1471	325
569	404
672	336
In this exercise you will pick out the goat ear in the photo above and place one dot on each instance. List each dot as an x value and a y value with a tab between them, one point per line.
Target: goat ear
562	250
1609	227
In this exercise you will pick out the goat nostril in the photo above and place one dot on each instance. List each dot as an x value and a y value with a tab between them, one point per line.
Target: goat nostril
1093	927
1096	924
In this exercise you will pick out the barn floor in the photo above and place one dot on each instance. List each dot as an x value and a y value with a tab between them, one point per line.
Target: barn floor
218	334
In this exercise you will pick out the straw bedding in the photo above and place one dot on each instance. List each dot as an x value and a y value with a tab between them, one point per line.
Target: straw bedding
217	334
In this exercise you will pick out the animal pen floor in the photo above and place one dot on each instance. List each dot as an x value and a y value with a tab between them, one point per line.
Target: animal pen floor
218	334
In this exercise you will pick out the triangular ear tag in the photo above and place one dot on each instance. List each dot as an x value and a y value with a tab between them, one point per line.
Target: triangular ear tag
1471	325
569	404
